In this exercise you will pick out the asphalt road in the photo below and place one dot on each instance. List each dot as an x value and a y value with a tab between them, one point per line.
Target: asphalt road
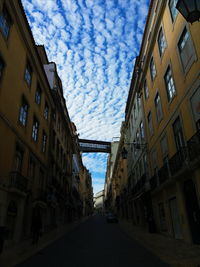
94	243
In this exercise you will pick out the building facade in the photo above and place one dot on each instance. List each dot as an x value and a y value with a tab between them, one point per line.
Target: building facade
38	143
169	86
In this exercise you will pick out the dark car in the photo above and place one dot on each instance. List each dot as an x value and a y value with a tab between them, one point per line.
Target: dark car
111	218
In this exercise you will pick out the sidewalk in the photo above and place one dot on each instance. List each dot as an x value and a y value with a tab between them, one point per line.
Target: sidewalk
174	252
26	249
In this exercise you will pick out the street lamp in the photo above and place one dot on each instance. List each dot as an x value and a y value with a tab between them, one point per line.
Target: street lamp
190	9
138	146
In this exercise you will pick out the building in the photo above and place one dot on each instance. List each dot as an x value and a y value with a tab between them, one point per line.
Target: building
99	201
109	174
139	204
168	83
37	140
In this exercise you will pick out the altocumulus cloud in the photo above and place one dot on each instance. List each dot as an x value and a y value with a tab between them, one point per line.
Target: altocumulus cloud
94	44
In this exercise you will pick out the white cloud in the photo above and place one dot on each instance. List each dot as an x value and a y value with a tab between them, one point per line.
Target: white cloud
94	44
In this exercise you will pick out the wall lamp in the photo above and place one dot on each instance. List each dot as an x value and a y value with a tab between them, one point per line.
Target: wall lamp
138	146
189	9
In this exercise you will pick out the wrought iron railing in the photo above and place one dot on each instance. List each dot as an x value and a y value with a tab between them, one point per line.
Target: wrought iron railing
163	173
178	160
193	145
18	181
185	155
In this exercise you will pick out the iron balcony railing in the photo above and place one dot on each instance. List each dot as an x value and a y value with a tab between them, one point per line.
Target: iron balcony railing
193	145
18	181
139	185
163	173
178	160
186	155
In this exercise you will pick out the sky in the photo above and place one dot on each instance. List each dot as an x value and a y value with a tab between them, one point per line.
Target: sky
94	44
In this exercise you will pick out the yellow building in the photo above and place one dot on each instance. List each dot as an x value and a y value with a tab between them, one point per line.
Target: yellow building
24	122
169	84
37	141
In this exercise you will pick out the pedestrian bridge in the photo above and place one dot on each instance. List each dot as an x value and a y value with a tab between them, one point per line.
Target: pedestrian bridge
89	146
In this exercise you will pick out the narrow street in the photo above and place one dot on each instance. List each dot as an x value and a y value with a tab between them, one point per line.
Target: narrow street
94	243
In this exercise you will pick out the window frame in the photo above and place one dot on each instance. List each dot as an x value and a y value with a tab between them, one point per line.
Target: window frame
23	114
35	130
158	105
172	8
146	90
152	67
44	141
46	111
166	80
160	41
150	123
192	57
38	89
28	72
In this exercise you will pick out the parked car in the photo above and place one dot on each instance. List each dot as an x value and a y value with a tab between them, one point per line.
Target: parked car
111	218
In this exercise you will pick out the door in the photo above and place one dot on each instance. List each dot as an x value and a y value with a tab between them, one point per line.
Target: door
175	218
193	211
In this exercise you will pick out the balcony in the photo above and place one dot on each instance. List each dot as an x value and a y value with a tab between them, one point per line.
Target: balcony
186	156
178	160
193	145
163	173
17	181
140	185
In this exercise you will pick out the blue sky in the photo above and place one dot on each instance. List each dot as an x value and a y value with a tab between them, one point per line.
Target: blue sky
94	44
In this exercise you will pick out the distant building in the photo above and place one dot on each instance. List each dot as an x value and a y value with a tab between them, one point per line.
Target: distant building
99	201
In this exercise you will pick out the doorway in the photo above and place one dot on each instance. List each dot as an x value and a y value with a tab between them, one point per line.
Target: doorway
193	211
175	218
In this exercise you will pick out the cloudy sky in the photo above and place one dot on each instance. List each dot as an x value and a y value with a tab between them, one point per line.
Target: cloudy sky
94	44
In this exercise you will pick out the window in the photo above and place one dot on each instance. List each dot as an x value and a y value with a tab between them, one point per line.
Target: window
178	134
44	141
161	42
169	82
154	161
18	159
152	69
158	107
186	50
134	111
28	74
142	130
161	209
5	22
31	172
35	129
38	93
137	137
150	123
146	90
46	111
2	66
138	102
172	8
164	146
195	105
23	113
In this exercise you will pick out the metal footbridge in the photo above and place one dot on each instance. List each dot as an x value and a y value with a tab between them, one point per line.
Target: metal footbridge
89	146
